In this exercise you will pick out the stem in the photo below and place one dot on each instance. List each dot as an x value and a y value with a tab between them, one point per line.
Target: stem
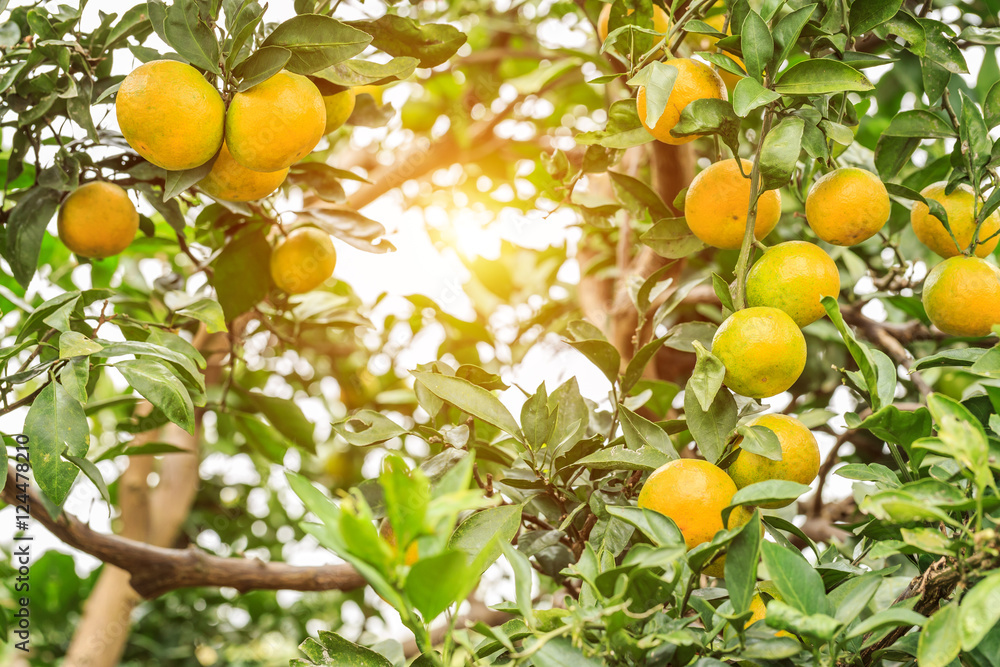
743	265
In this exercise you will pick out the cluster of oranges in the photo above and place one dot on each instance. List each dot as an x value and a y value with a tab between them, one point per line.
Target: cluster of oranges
174	118
762	346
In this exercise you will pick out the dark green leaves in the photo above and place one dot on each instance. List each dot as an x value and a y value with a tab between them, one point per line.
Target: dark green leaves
671	238
757	44
56	424
332	650
865	16
432	44
162	388
710	428
602	354
185	29
317	42
709	116
623	129
919	123
821	77
358	72
799	584
749	94
941	638
786	33
780	152
238	289
471	399
25	230
261	66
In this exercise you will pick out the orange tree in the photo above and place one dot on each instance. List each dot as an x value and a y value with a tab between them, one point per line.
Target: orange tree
787	219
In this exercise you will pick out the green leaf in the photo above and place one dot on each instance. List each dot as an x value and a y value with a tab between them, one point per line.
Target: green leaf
522	581
860	353
671	238
640	432
660	529
602	354
623	129
469	398
979	611
357	72
432	43
157	384
261	66
238	289
757	44
919	123
56	425
991	105
368	428
26	224
622	458
865	16
769	491
711	428
891	617
285	415
177	182
786	33
74	376
974	133
637	365
537	421
709	116
819	627
317	42
892	154
658	81
208	311
760	440
780	152
435	583
92	473
741	564
707	377
940	47
480	535
75	344
852	597
799	584
639	197
821	76
941	639
749	94
190	35
560	652
332	650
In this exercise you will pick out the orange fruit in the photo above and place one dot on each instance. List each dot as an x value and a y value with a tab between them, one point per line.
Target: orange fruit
799	456
695	81
97	220
717	203
738	517
661	22
794	276
170	114
374	91
276	123
696	42
339	107
693	493
231	181
847	206
763	350
958	205
962	296
303	260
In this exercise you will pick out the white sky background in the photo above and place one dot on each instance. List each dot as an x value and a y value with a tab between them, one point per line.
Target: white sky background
416	268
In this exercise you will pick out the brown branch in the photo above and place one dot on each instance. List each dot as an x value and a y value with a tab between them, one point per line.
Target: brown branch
156	570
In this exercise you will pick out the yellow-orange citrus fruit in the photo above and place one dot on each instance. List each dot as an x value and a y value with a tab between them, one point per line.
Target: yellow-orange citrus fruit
97	220
231	181
738	517
758	608
695	81
374	91
276	123
763	350
693	493
847	206
696	42
303	260
799	456
717	203
386	533
794	276
170	114
339	107
958	205
962	296
661	22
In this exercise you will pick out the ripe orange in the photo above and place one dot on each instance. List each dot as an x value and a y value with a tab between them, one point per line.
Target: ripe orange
303	260
763	350
717	202
693	493
962	296
97	220
794	276
661	22
738	517
695	81
170	114
847	206
231	181
276	123
958	205
339	107
799	456
696	42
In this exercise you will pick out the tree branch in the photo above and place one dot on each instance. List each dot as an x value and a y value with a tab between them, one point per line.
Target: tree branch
155	570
